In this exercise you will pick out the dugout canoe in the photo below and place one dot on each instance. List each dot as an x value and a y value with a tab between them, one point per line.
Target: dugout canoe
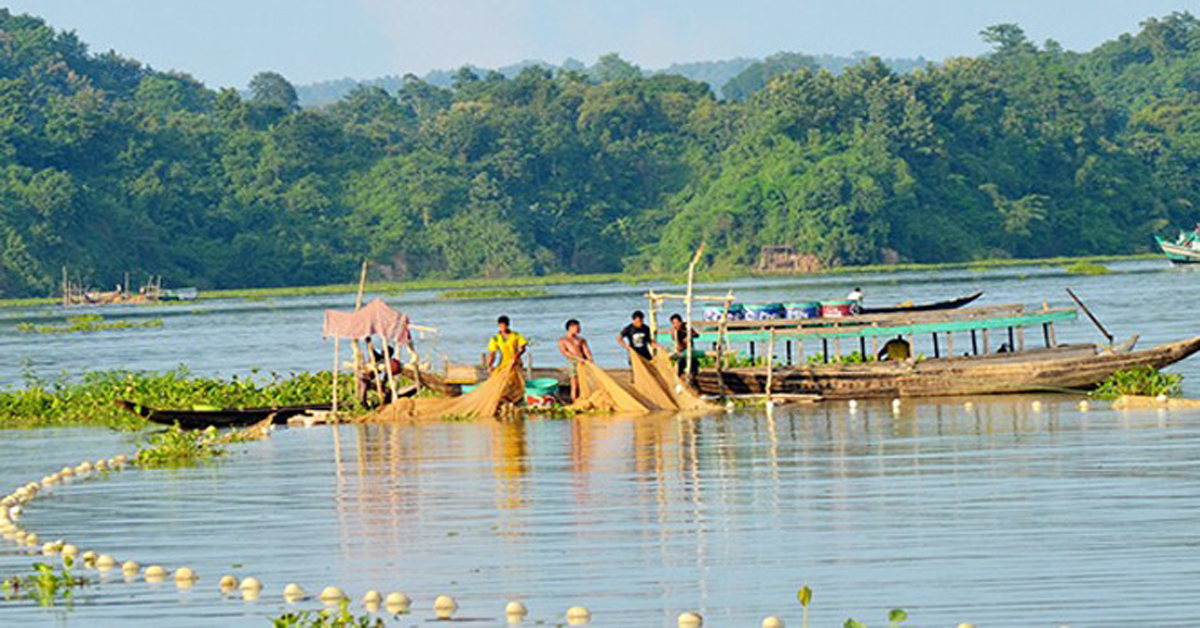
1039	370
951	304
223	417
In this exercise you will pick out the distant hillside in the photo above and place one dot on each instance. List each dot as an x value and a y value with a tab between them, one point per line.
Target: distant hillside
714	73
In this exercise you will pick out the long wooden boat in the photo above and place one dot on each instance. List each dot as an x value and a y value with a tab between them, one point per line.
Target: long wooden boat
1056	368
224	417
951	304
1186	250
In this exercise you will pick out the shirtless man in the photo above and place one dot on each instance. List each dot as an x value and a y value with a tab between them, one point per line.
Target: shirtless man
575	348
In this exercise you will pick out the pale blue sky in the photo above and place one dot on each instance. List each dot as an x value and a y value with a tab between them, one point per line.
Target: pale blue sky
224	42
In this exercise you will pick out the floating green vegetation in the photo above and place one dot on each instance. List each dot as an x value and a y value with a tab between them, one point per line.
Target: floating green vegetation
1141	380
854	357
513	293
1087	268
45	585
86	323
895	617
92	399
175	447
329	618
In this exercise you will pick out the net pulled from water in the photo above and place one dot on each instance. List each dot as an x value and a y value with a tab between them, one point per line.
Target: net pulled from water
496	397
656	386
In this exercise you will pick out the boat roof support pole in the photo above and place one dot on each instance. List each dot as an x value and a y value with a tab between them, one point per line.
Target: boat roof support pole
691	277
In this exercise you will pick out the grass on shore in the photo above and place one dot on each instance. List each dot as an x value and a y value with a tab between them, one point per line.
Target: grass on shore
704	276
513	293
87	323
92	400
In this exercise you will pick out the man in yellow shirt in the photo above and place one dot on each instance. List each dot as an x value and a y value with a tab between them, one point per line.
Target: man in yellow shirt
510	345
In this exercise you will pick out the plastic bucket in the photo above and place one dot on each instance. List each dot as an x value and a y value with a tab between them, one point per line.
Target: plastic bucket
737	312
466	388
837	309
803	310
764	311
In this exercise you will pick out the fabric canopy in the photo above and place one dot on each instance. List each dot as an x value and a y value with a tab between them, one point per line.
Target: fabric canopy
376	319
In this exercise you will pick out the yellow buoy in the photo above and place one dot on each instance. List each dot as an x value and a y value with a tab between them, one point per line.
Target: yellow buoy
185	577
293	593
129	567
372	598
227	583
120	460
332	595
88	558
690	620
515	608
1084	406
251	584
155	573
32	539
444	606
84	467
66	472
68	550
104	562
49	481
578	615
772	622
50	548
966	625
101	465
397	602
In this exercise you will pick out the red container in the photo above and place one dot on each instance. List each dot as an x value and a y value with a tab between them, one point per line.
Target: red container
837	309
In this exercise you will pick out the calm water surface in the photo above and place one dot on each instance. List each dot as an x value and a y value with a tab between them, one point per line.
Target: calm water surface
1001	514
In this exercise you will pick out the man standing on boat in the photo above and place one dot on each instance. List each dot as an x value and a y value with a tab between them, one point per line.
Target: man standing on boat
575	349
856	298
683	336
636	336
508	343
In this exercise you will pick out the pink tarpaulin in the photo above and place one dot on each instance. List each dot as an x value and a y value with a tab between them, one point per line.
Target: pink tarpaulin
375	319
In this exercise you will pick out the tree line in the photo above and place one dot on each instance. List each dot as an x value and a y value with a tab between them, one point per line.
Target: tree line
107	165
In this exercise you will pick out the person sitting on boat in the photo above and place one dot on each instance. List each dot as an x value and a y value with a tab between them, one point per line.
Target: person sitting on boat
508	343
575	349
683	336
895	350
636	336
856	297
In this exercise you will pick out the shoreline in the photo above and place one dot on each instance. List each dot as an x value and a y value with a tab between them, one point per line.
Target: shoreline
567	279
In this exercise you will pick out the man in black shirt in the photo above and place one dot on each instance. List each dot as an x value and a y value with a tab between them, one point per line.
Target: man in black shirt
636	336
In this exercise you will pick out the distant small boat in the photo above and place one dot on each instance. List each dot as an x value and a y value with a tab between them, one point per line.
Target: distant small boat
952	304
197	419
179	294
1184	250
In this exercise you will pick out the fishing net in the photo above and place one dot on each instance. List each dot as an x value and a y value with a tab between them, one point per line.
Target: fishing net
656	386
599	392
503	391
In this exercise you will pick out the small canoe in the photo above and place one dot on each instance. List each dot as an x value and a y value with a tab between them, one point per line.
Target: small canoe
1184	251
222	417
952	304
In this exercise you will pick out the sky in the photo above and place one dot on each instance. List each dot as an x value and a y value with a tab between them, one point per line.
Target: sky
226	42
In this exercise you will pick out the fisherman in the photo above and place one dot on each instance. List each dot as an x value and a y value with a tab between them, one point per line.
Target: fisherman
575	348
636	336
683	336
510	344
895	350
856	296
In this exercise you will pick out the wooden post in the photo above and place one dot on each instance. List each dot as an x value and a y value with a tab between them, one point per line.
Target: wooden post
722	331
1046	334
1053	339
937	353
950	343
986	345
974	343
1020	339
691	276
387	367
337	368
770	361
355	349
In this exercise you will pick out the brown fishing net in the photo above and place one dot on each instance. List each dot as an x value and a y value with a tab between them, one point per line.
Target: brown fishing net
503	391
656	386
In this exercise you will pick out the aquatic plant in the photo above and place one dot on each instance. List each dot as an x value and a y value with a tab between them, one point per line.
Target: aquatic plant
86	323
1143	380
805	596
45	585
329	618
896	616
1087	268
92	399
175	447
514	293
854	357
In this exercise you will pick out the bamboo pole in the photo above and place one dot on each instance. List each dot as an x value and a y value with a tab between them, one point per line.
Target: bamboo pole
387	367
691	276
770	363
722	331
355	349
337	367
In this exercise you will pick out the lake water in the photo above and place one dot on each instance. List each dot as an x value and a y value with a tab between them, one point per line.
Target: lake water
1001	514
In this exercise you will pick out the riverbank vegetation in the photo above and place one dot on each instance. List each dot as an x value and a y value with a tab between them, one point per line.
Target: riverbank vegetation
1143	381
1028	151
91	400
87	323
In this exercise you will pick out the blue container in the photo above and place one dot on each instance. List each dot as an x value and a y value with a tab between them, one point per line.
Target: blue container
810	309
541	387
764	311
737	312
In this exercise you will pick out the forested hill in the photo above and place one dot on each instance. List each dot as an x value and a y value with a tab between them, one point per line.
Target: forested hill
109	166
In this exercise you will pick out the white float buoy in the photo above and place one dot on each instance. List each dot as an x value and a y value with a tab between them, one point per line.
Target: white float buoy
68	550
1161	398
32	539
515	608
155	573
227	583
332	595
293	593
50	548
968	406
66	472
772	622
444	606
185	577
129	567
372	598
397	602
966	625
104	562
88	558
578	615
853	403
690	620
1037	406
251	584
101	465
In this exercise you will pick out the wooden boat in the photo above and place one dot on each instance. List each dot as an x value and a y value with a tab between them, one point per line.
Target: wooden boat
952	304
1185	250
224	417
1039	370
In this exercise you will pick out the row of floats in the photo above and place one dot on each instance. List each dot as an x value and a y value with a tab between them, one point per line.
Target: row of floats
782	311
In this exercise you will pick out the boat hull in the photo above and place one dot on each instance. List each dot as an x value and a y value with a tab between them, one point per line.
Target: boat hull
1179	254
952	304
1074	367
228	417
